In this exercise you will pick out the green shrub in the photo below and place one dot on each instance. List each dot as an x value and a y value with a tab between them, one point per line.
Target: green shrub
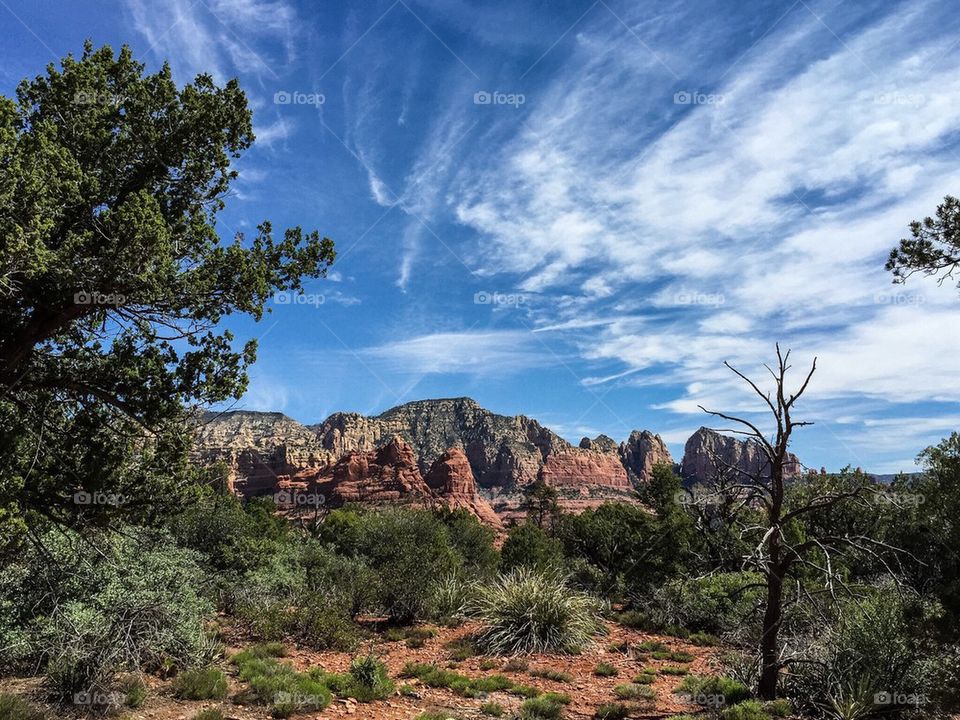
704	639
637	620
322	625
531	611
673	655
461	649
702	689
714	604
645	678
200	684
747	710
209	714
778	708
147	611
488	664
551	674
612	711
651	646
134	690
278	685
525	691
529	546
541	708
368	679
670	670
634	691
492	709
16	708
605	670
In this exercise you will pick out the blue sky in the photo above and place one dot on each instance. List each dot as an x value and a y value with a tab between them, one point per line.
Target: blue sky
578	210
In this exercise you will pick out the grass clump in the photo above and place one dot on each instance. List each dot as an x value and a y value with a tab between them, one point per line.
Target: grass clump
209	714
605	670
649	646
366	681
541	708
747	710
492	709
634	691
200	684
704	639
461	649
534	611
134	690
432	676
701	690
612	711
16	708
672	670
436	715
278	685
516	665
551	674
646	677
779	708
673	656
488	664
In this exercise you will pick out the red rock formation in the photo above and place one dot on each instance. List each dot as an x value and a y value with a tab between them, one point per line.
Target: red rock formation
579	468
388	474
451	477
708	453
642	451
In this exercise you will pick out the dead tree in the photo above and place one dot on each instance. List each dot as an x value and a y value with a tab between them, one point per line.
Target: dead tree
764	488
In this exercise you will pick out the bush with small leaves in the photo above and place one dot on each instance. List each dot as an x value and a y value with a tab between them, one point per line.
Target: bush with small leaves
605	670
747	710
697	688
200	684
16	708
134	690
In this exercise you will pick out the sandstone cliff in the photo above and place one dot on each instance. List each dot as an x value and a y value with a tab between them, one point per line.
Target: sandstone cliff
451	478
641	451
707	453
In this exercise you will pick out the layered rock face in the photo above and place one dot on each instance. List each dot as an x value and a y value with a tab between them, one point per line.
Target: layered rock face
579	468
708	453
451	451
257	447
641	451
452	479
389	474
502	451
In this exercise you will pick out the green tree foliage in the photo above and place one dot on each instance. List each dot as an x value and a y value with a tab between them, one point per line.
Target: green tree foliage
113	280
933	247
528	545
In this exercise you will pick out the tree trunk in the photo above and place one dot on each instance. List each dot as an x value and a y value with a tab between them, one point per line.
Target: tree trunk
769	642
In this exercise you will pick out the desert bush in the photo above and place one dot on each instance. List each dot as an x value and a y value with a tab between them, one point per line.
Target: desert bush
703	690
747	710
367	680
451	597
551	674
876	646
528	545
134	690
533	611
278	685
713	604
16	708
323	625
200	684
605	670
147	612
